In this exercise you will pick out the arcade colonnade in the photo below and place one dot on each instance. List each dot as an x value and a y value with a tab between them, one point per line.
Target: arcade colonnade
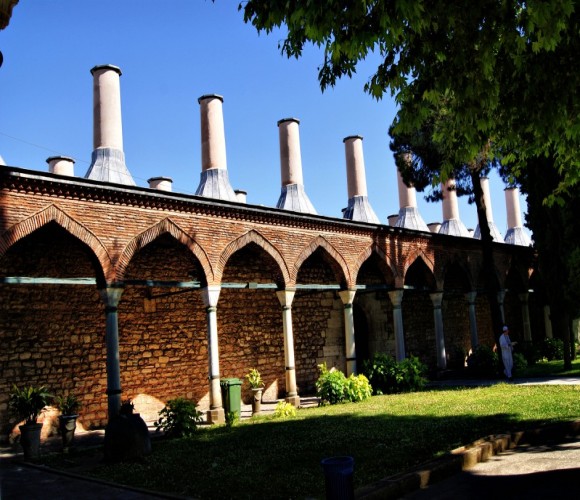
195	289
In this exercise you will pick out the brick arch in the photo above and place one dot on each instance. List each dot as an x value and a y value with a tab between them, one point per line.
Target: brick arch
463	265
165	226
366	253
54	214
252	236
412	257
320	242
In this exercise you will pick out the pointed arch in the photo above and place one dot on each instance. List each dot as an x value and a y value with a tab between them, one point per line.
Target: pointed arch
384	258
413	256
52	213
427	277
165	226
315	244
456	264
255	237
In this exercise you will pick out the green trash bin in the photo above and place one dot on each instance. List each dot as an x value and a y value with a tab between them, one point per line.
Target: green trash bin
232	395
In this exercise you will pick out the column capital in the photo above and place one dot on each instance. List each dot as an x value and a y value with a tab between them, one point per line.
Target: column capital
286	297
347	296
210	295
501	296
471	297
111	296
523	297
396	297
436	298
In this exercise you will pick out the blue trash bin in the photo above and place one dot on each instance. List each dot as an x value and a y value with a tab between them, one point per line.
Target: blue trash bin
338	477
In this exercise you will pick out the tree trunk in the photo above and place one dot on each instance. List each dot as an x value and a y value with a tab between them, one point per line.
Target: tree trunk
488	266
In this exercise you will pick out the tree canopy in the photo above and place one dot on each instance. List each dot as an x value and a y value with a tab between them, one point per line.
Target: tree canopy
507	70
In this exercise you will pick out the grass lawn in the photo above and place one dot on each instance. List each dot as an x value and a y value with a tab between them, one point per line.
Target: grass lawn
555	368
267	458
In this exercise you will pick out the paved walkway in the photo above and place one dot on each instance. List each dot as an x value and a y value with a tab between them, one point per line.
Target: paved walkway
537	471
527	472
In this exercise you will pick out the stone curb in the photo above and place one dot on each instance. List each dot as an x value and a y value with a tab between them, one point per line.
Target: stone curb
463	458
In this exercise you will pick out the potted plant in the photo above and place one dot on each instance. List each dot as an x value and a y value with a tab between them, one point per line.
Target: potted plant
69	406
27	403
255	380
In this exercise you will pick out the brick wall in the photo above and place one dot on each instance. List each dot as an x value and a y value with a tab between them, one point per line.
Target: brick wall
54	334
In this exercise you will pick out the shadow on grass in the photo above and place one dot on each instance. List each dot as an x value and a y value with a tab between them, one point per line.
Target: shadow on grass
281	459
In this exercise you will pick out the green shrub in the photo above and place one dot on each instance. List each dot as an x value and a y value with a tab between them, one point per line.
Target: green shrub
388	376
284	410
358	388
232	418
483	362
331	385
552	349
520	362
179	418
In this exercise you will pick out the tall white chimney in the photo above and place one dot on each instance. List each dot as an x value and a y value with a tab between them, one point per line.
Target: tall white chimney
293	196
495	234
358	207
515	234
214	182
409	216
452	224
108	158
62	165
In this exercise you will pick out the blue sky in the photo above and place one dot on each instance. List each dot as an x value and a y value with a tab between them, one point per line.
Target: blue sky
171	53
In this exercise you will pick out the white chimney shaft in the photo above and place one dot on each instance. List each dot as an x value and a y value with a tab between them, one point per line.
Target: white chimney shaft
355	166
290	158
512	203
107	123
407	195
450	206
213	139
161	183
62	165
484	181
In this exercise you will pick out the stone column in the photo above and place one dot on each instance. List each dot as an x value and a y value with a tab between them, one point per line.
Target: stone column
111	297
286	297
62	165
437	299
216	414
500	301
471	297
396	297
548	322
347	296
108	158
526	316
